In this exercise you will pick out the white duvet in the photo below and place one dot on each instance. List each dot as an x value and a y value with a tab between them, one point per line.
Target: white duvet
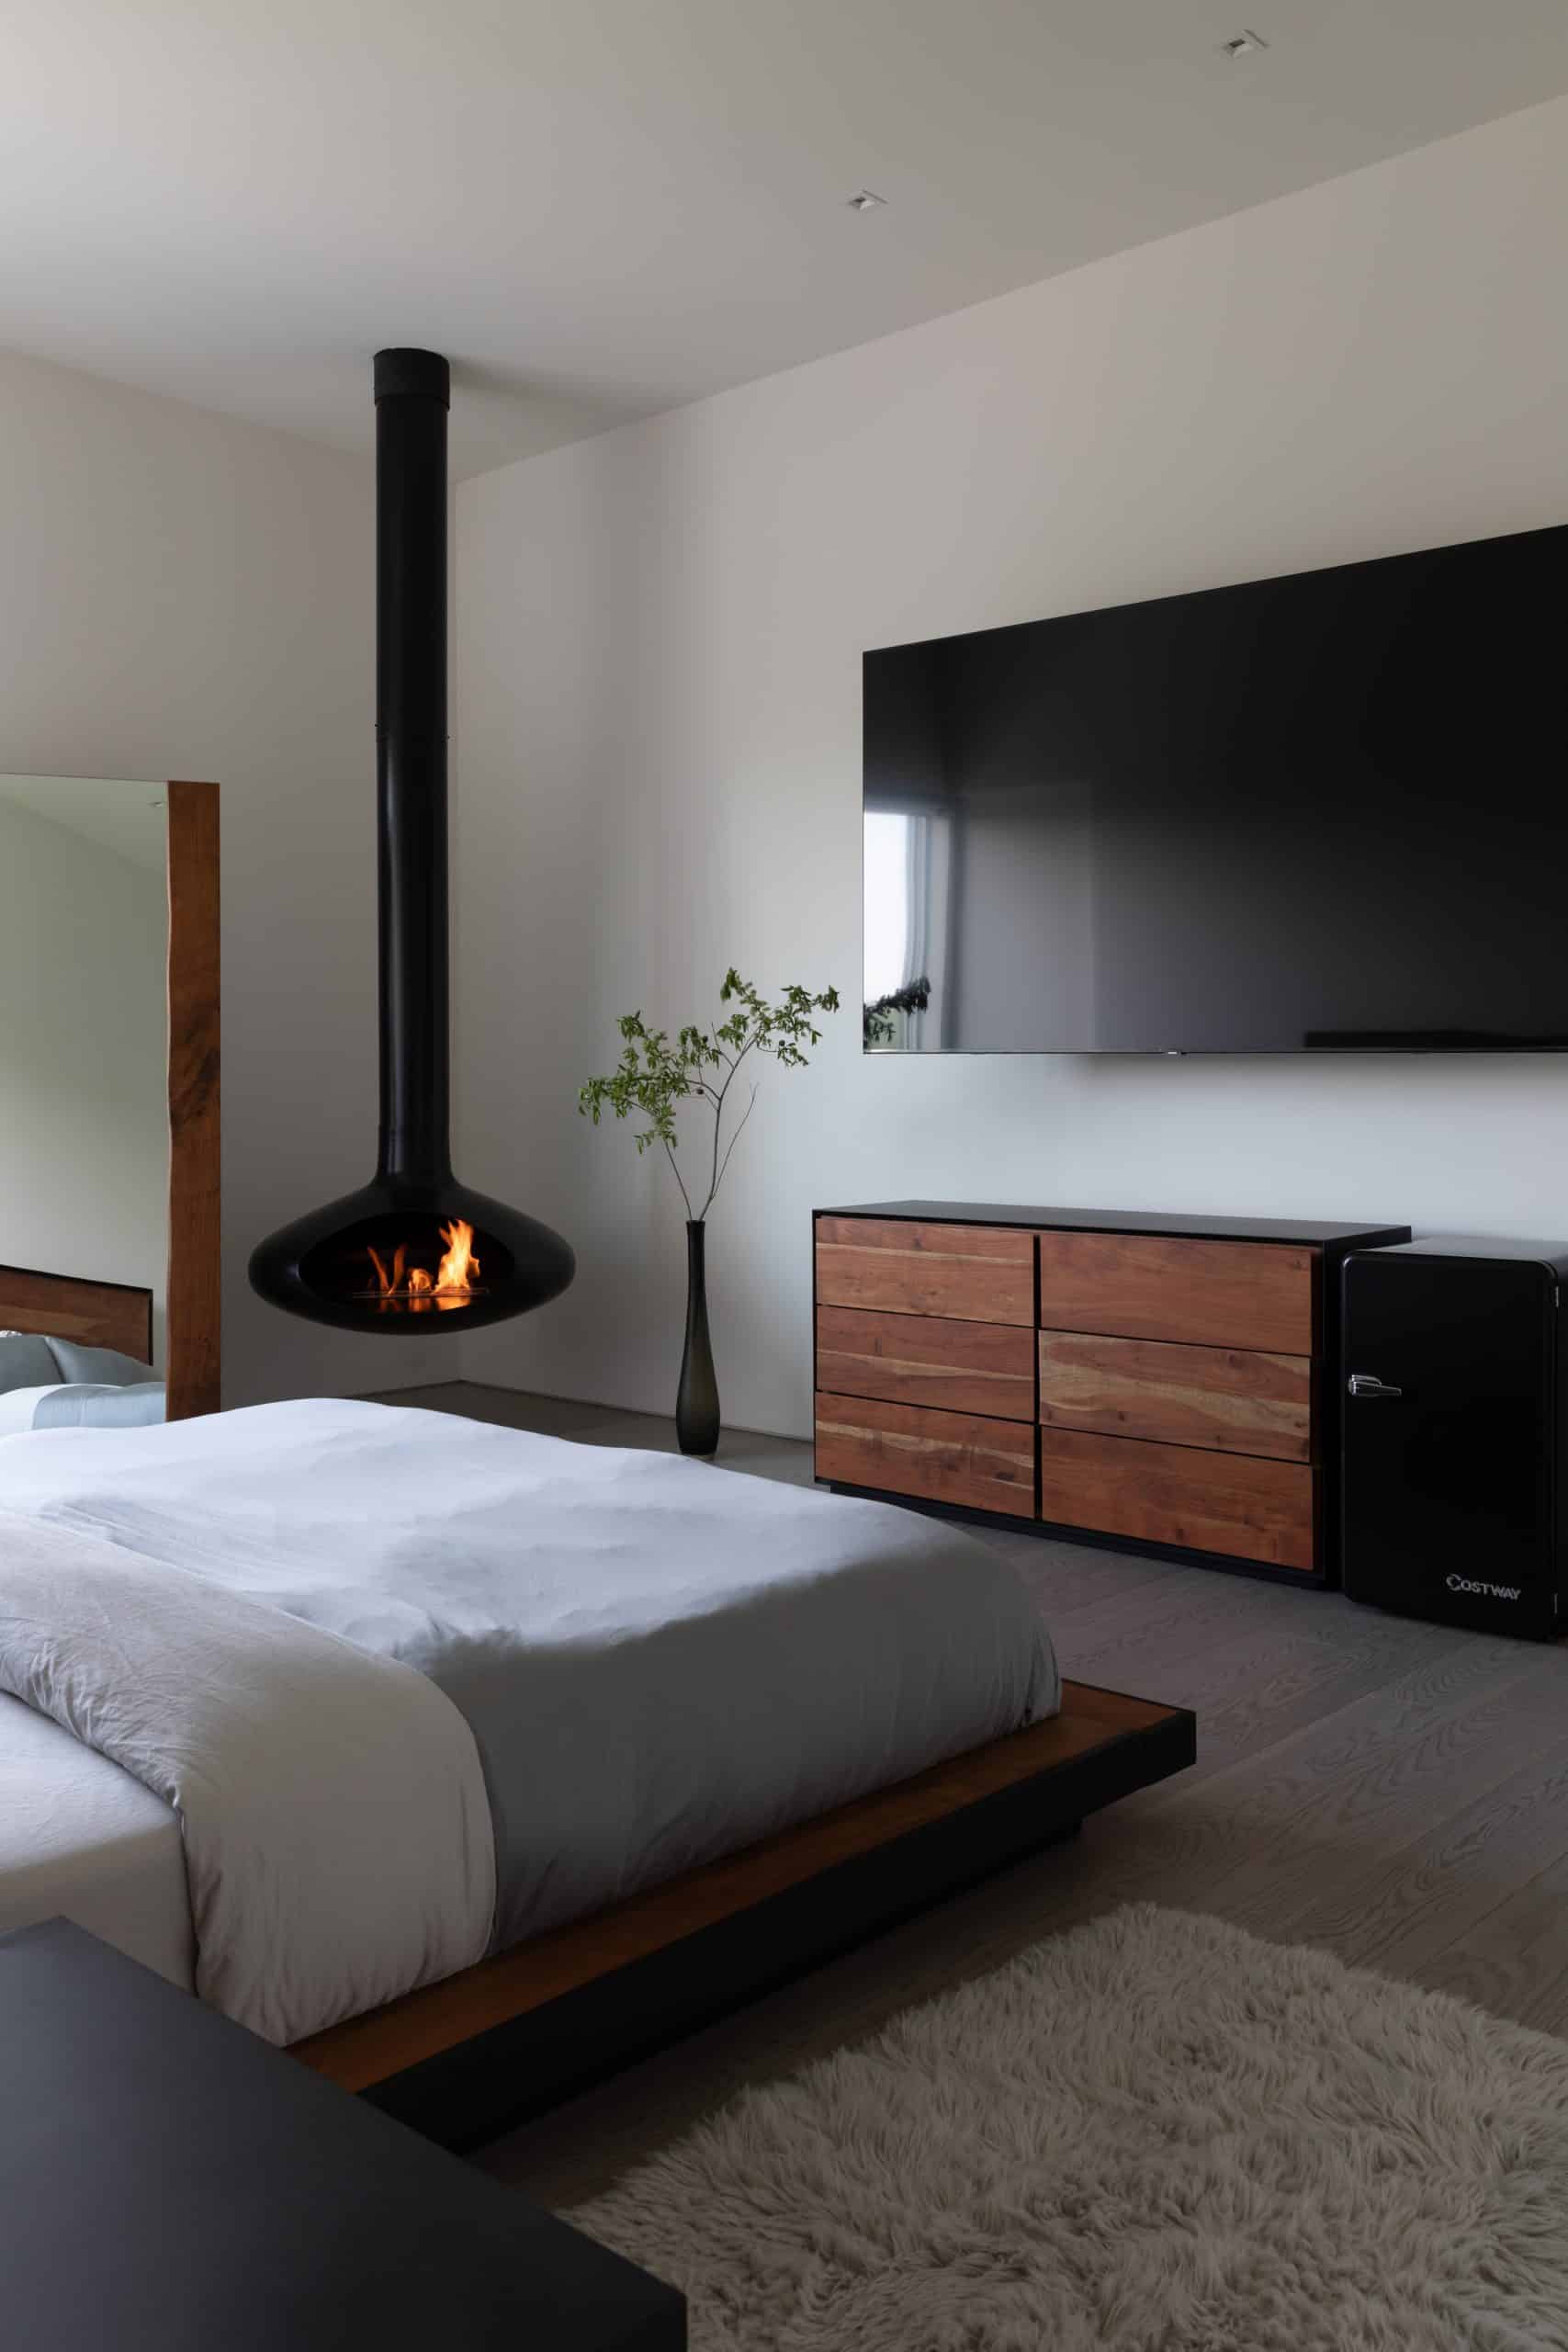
331	1808
645	1662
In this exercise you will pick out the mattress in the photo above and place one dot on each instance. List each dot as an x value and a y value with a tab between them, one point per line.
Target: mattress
79	1838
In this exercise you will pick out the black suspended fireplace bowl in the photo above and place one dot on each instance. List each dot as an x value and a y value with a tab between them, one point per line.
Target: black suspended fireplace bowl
413	1251
398	1257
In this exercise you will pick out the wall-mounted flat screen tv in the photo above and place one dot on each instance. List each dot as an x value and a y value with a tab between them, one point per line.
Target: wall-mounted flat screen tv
1322	813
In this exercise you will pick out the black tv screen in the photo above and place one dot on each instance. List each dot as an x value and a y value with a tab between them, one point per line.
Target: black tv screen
1319	813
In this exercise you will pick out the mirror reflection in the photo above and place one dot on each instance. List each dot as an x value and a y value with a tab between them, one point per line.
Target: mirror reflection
84	1108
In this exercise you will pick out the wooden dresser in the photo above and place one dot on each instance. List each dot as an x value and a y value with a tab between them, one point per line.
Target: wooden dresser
1161	1381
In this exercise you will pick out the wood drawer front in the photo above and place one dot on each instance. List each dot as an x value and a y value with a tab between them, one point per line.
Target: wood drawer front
937	1457
985	1368
1210	1294
1238	1504
978	1273
1227	1397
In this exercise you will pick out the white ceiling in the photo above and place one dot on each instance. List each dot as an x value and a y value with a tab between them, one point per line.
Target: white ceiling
601	208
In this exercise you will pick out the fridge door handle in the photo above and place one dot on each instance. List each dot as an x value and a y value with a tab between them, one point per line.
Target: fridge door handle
1366	1384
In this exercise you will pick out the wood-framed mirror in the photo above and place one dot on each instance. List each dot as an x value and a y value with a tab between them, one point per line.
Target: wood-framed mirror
110	1187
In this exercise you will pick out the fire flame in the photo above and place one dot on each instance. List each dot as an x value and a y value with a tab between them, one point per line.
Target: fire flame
414	1289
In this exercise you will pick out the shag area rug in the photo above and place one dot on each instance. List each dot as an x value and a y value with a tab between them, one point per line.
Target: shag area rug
1154	2132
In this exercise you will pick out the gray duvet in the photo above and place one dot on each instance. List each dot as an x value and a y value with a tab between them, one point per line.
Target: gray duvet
657	1661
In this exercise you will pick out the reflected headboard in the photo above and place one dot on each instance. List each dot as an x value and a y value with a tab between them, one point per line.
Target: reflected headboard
95	1314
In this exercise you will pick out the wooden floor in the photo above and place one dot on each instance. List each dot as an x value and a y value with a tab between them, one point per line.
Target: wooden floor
1396	1793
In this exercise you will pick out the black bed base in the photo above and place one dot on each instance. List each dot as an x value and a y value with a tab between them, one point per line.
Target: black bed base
517	2070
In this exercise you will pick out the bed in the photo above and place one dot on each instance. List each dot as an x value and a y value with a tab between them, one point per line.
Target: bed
523	1751
91	1314
75	1353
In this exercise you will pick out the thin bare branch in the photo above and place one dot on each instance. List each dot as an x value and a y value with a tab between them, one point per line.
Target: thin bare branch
679	1179
733	1141
717	1130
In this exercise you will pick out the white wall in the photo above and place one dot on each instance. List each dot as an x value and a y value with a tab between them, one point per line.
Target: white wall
660	636
182	596
84	1085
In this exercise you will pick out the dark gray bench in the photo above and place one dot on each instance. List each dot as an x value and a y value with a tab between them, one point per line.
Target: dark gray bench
170	2184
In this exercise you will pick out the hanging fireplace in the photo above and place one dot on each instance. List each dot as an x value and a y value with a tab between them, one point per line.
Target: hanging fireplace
413	1251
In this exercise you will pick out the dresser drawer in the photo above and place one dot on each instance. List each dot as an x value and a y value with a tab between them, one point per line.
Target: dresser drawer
1231	1398
985	1368
935	1457
1238	1504
1254	1295
975	1272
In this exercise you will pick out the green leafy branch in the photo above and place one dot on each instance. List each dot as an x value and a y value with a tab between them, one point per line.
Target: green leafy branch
877	1025
653	1077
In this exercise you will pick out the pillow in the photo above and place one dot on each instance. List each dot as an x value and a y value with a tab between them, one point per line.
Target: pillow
26	1361
18	1406
85	1404
103	1364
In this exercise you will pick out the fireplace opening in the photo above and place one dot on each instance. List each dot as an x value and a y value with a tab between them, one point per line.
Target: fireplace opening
410	1265
413	1251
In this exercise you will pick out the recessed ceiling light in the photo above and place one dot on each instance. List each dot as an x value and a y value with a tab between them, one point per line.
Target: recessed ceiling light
1242	44
866	200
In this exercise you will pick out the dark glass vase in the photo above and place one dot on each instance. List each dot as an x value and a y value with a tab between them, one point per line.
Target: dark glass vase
696	1399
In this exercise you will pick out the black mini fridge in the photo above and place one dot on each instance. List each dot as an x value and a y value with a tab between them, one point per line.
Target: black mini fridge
1454	1417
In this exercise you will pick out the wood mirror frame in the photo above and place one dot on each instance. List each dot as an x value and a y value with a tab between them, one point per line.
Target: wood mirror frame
193	1302
117	1315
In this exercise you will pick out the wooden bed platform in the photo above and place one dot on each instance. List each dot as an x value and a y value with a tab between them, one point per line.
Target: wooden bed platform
518	2032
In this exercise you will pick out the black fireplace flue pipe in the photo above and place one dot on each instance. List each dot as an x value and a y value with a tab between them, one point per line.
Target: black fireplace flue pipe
413	395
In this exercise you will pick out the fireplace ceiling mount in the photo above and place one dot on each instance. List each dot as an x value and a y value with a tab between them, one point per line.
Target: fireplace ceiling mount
413	1251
